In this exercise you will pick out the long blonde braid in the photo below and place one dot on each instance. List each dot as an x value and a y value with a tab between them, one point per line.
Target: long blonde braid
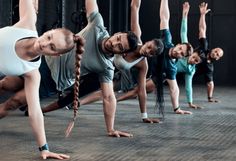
76	103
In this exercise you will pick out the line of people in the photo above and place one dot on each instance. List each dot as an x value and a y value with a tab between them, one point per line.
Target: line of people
202	57
101	54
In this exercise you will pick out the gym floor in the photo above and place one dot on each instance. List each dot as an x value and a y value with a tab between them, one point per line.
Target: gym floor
208	134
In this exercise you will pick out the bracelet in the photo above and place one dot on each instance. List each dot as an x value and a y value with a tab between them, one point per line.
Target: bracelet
144	115
176	109
44	147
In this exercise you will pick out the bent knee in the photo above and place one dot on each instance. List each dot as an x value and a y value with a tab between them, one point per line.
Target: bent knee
15	102
109	98
10	83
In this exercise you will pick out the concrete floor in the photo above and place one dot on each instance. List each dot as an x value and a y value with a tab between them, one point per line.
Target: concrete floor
207	135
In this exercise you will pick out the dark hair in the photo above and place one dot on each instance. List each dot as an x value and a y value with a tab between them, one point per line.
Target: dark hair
160	80
159	45
189	50
132	40
157	77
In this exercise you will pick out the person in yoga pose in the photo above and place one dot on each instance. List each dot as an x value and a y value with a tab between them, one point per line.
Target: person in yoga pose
206	67
97	59
21	49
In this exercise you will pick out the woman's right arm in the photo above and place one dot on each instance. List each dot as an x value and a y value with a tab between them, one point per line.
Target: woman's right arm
184	23
188	87
135	27
32	81
28	16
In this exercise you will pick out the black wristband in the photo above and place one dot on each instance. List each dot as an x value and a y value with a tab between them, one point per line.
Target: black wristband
176	109
44	147
210	98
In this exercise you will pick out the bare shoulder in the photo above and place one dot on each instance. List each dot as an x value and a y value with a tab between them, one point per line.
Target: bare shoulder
142	64
34	74
25	25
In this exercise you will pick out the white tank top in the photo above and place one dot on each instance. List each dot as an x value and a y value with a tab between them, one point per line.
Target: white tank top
126	82
10	63
122	64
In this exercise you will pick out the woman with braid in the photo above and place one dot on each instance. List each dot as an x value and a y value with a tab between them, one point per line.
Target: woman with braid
21	49
97	58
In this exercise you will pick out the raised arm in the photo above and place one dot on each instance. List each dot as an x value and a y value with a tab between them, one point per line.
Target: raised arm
91	6
135	27
184	23
28	16
164	15
202	21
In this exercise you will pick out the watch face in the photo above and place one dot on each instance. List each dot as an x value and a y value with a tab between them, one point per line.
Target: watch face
44	147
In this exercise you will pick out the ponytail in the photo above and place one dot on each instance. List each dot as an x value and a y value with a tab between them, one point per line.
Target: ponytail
158	78
160	85
76	103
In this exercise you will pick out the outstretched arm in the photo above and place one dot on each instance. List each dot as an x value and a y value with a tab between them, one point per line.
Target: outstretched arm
210	89
109	108
32	80
174	92
28	16
91	6
184	23
135	27
189	90
142	93
164	15
174	95
189	87
202	21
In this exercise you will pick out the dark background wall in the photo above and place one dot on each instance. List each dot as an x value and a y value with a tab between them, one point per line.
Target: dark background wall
221	23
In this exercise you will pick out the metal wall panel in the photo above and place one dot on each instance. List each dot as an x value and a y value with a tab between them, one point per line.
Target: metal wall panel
221	24
5	13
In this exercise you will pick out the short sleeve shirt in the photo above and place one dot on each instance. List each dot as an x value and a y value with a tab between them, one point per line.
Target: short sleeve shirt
205	67
170	68
94	60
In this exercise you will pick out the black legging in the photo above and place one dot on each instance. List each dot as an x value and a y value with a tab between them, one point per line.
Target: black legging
88	83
